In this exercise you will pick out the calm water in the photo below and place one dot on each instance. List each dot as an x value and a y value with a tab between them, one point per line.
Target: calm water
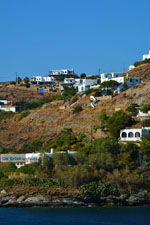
80	216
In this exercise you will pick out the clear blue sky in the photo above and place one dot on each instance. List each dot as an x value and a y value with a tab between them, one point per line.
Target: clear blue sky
39	35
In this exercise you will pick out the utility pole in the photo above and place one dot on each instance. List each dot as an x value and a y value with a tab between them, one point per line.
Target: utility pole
16	77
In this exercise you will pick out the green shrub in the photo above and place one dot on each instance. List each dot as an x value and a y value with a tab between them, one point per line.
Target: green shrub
98	189
68	92
146	108
32	146
77	109
4	115
138	63
30	182
119	120
23	115
146	123
22	105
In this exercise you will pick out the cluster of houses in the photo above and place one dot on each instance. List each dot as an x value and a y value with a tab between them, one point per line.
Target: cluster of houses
66	77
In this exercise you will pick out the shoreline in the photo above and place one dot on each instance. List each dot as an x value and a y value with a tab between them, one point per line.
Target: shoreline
74	200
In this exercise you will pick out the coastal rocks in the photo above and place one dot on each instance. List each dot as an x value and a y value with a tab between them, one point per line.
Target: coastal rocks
138	199
62	198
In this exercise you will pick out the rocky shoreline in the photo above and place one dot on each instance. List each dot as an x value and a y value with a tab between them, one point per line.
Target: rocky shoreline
65	199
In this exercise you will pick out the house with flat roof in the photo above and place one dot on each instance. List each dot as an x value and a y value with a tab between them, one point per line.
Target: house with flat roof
133	134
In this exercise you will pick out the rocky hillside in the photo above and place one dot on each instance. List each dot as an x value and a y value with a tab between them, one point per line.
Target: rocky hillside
142	71
47	121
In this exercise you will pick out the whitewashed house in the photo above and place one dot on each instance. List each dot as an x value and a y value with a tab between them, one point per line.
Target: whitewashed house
146	56
84	84
62	72
112	76
80	84
133	134
42	79
7	106
70	81
142	114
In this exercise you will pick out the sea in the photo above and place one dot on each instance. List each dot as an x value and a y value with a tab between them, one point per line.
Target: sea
75	216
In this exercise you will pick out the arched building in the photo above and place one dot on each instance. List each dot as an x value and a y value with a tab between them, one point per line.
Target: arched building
133	134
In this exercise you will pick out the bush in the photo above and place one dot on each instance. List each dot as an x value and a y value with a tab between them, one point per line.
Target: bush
132	108
22	105
77	109
97	189
146	108
33	146
119	120
30	182
138	63
23	115
146	123
4	115
68	92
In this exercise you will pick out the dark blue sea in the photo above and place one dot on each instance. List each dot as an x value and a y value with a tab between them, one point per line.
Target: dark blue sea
75	216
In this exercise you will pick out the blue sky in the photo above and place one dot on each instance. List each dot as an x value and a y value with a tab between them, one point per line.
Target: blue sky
40	35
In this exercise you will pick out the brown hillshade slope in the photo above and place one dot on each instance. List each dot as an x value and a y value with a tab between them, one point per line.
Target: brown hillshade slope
142	71
46	122
20	94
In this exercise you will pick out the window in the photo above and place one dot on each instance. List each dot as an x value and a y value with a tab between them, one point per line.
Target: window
130	135
137	134
124	135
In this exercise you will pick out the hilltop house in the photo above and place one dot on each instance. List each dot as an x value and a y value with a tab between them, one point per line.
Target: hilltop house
62	72
146	56
133	134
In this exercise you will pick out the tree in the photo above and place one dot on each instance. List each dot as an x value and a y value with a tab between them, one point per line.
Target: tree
77	109
27	82
68	92
132	108
83	75
119	120
18	80
146	123
129	156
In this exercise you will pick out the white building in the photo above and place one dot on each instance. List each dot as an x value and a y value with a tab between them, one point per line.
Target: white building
125	82
131	67
81	84
43	79
112	76
133	134
142	114
146	56
7	106
84	84
69	81
62	72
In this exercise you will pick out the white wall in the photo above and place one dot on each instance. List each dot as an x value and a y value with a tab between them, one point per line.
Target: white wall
112	76
8	108
146	56
128	134
145	130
